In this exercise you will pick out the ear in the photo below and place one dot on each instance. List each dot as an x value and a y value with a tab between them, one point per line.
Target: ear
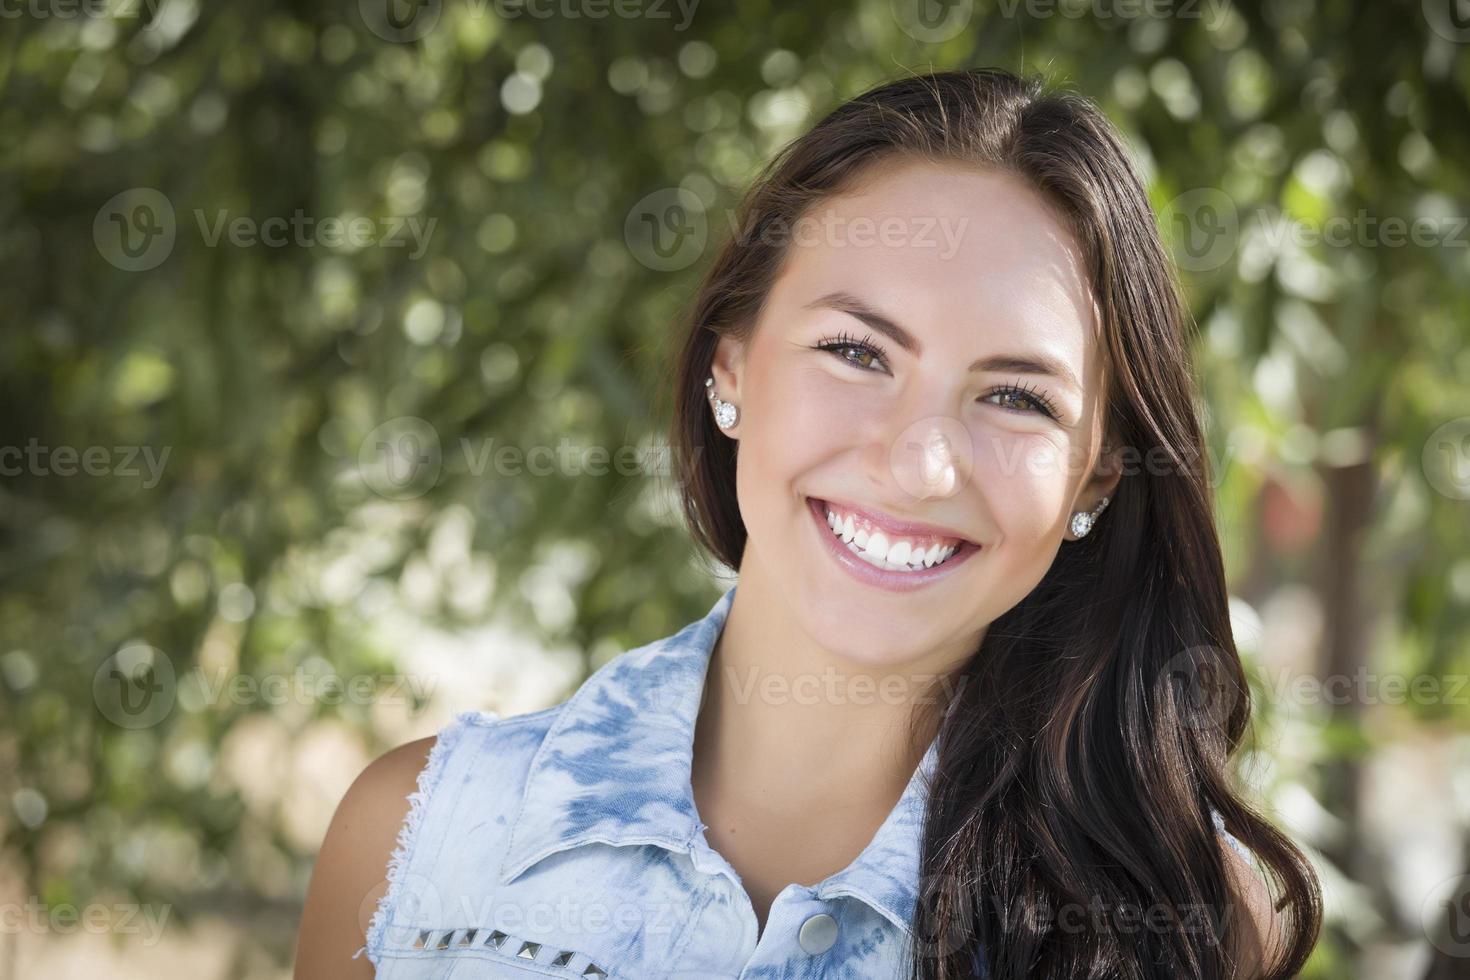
1102	481
728	368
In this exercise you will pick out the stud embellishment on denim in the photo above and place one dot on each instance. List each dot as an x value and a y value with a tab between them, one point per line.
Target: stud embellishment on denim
576	964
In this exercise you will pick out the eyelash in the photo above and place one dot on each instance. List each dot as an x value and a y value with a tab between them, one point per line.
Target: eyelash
843	341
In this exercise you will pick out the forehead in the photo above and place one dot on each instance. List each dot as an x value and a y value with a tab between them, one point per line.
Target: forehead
951	252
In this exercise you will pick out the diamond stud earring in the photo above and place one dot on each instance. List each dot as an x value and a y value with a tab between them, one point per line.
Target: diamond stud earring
725	413
1082	521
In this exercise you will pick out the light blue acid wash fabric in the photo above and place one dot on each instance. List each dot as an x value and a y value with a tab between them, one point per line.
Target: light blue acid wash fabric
565	843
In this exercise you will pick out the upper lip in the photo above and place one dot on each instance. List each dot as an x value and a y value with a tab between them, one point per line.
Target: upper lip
894	526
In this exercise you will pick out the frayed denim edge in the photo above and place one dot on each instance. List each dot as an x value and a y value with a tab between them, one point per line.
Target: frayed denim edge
428	779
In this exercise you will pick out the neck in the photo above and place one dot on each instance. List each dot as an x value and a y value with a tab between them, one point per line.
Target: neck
788	722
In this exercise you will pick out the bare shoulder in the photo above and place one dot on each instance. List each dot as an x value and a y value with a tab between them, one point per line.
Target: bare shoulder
1258	936
350	873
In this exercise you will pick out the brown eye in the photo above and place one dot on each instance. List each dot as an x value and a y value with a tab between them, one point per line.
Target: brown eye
1029	400
842	345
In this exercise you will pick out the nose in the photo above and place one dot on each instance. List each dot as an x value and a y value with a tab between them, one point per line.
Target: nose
929	457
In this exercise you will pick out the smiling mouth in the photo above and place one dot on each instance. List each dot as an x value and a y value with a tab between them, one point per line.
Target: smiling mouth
885	550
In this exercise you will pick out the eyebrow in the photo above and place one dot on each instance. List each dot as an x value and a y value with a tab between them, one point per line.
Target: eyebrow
1030	363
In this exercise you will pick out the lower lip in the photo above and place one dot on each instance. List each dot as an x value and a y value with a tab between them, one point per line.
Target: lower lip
872	574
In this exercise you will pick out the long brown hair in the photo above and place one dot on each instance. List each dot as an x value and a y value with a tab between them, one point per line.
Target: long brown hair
1076	774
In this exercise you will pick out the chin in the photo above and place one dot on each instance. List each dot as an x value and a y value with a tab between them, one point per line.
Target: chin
860	636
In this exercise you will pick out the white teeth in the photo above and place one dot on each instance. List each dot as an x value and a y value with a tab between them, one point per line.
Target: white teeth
877	550
876	547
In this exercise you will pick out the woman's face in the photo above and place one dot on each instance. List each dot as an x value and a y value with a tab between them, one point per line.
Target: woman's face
931	288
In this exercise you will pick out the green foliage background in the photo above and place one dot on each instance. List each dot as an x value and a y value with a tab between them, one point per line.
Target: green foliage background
267	545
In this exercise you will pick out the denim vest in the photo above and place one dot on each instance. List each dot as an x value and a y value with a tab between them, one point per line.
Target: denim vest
565	843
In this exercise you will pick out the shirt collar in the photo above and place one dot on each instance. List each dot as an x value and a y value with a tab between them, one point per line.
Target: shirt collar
615	768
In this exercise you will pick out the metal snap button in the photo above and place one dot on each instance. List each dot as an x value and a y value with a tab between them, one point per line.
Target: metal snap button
818	933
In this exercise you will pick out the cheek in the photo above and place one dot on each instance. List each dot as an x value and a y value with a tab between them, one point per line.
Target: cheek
786	430
1026	482
803	415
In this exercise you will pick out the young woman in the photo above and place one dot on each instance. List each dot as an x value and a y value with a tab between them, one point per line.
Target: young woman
969	709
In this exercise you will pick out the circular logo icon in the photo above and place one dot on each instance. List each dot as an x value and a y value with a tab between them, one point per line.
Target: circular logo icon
1204	226
1445	916
1446	458
667	230
1450	19
933	21
1201	687
135	229
418	911
944	934
400	459
135	687
400	21
932	457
